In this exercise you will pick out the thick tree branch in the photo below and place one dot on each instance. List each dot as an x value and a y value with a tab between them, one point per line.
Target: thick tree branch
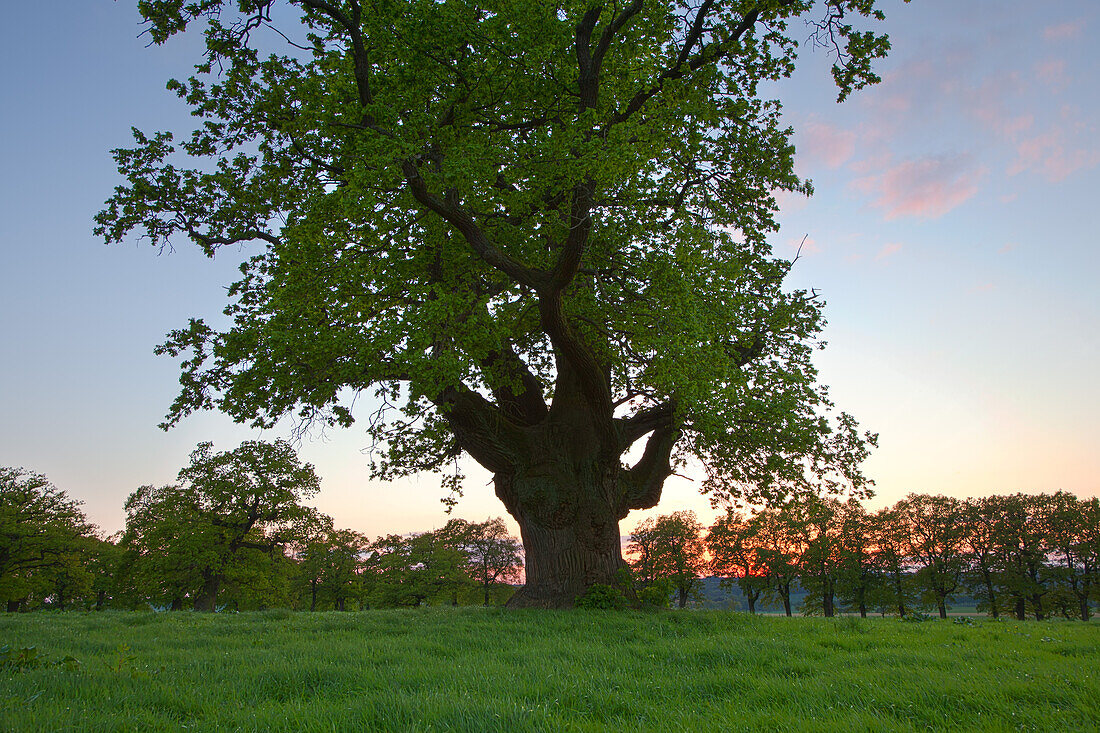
527	406
208	243
634	427
643	482
582	363
461	220
480	428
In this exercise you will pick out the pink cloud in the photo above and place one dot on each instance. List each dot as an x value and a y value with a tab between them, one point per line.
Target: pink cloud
1008	247
1064	31
822	142
988	103
982	288
887	250
926	188
1052	72
1047	155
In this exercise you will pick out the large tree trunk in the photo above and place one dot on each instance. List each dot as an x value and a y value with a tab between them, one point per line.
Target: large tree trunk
559	474
208	596
567	557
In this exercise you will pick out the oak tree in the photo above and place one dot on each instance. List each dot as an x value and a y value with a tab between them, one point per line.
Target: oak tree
43	533
536	231
192	535
495	557
937	544
671	547
737	554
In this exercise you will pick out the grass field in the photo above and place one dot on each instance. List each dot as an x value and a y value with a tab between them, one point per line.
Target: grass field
494	670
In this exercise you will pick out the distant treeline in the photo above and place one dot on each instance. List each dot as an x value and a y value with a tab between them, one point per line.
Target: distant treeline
1020	554
233	533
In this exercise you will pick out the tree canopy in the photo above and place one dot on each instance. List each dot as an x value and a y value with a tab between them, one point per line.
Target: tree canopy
191	536
42	534
535	231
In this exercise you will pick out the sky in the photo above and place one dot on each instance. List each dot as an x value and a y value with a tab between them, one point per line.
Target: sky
951	234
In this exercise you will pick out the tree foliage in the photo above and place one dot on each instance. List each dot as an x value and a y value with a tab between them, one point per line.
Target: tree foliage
494	556
230	509
535	231
670	547
737	553
42	535
421	568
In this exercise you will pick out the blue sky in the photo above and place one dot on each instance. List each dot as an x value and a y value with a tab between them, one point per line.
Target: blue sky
952	235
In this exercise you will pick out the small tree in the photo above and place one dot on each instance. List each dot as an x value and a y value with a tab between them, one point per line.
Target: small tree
858	579
891	542
980	518
495	556
191	535
676	551
421	568
1074	530
820	562
937	533
1023	544
42	538
736	555
781	549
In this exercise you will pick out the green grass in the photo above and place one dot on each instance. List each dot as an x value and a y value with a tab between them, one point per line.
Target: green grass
493	670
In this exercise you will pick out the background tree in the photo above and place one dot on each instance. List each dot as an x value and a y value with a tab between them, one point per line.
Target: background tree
859	583
1023	544
781	548
735	549
980	518
227	507
330	561
495	557
536	231
42	536
676	551
891	540
937	535
642	550
819	522
1074	529
418	569
105	561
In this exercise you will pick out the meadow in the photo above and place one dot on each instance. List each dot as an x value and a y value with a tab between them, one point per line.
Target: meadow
473	669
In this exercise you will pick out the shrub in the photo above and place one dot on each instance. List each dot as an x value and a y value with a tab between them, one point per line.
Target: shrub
602	597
